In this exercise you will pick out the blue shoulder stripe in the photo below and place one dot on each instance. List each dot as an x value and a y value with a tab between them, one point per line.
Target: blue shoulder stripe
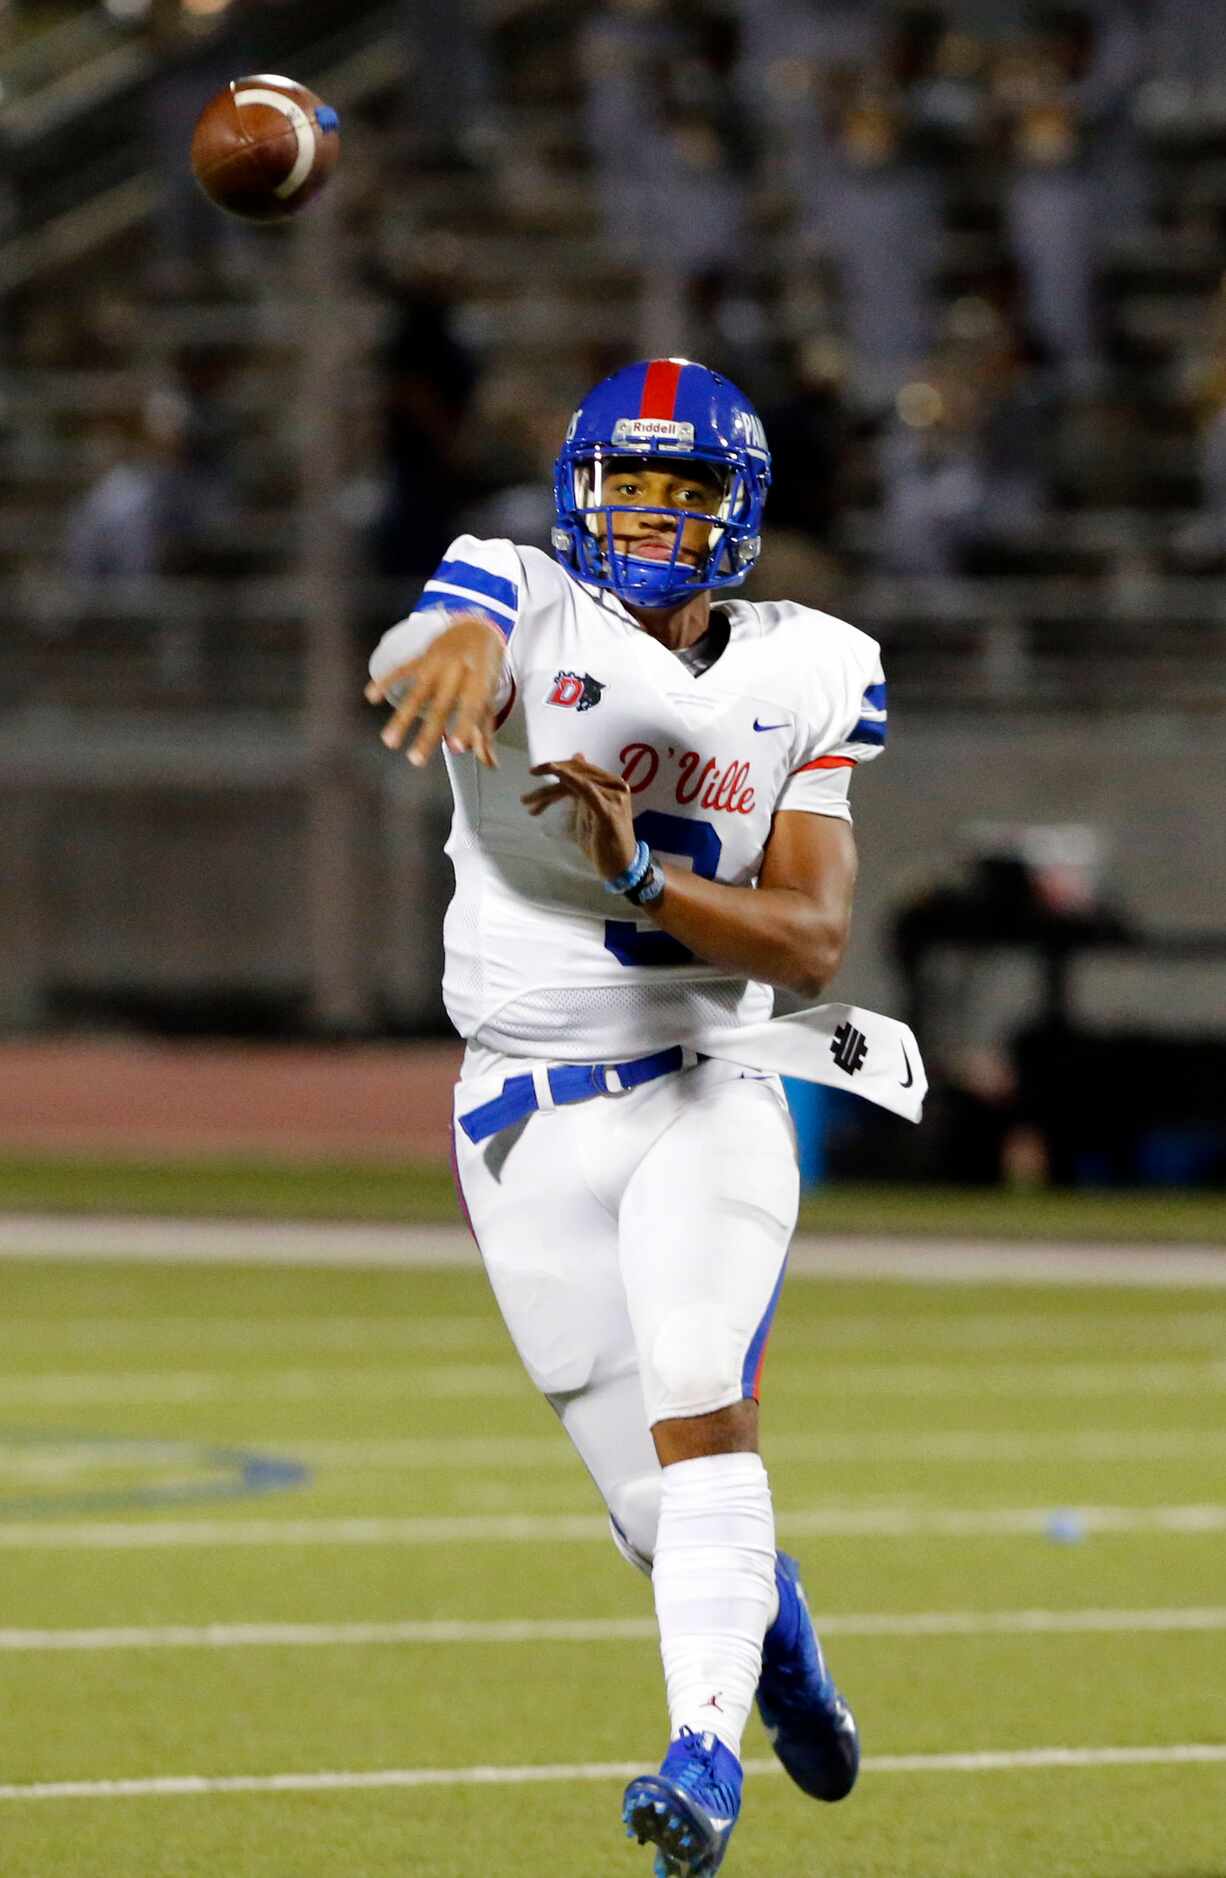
478	580
874	697
452	603
867	732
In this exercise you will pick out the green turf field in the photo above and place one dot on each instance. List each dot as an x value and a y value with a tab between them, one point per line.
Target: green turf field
181	1601
423	1193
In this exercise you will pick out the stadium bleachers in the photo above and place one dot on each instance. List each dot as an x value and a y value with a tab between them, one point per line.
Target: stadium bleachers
1100	595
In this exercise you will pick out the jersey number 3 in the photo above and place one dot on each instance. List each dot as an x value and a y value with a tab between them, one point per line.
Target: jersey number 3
673	835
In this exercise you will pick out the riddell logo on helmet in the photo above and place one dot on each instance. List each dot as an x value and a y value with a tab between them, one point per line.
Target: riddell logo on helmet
662	431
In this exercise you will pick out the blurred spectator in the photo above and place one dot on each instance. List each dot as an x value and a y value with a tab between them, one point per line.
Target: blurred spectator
660	125
1113	63
935	69
1014	415
429	377
519	420
809	430
730	324
788	49
59	332
855	105
452	113
961	465
1074	175
934	490
154	506
879	210
1200	546
1186	41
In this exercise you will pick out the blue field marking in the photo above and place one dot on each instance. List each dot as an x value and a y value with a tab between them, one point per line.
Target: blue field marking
219	1473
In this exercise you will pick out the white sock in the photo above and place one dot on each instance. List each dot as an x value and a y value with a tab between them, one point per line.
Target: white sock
714	1582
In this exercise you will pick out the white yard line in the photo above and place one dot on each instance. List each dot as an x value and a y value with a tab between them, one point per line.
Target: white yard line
881	1522
232	1242
1001	1262
448	1632
919	1260
193	1785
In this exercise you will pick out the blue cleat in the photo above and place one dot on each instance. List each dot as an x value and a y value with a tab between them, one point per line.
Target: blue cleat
811	1728
689	1808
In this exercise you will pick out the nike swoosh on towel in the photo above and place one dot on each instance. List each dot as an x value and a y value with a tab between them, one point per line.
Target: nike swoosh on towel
910	1072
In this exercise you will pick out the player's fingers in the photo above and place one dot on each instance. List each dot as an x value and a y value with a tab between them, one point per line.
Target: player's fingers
585	789
387	690
483	749
433	722
471	708
563	765
590	774
409	707
472	725
486	752
578	781
579	767
538	799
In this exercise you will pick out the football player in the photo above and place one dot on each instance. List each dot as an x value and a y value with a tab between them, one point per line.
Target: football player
651	830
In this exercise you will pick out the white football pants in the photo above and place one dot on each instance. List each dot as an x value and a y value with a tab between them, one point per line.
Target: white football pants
636	1246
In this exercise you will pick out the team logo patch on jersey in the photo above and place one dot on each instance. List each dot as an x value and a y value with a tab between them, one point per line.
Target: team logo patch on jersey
575	693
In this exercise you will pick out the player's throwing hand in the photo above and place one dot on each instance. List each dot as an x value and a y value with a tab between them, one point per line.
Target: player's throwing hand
453	682
603	825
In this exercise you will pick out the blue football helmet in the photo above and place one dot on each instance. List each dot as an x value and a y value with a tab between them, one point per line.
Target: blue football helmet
672	412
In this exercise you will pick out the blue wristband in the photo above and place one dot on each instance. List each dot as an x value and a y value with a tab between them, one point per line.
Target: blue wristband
625	883
649	888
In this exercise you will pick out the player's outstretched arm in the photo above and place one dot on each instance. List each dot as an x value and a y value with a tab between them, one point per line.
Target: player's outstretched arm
449	689
791	930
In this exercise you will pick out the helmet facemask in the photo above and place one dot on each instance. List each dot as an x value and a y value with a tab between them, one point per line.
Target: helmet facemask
652	580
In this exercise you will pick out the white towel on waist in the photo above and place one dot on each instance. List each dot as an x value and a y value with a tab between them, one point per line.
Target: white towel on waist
874	1056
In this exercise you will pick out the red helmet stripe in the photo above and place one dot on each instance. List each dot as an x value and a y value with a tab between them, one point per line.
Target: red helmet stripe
660	388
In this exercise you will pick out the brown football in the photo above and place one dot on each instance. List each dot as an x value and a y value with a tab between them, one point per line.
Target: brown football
264	146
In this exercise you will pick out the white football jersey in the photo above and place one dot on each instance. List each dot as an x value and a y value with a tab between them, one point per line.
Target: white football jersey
540	960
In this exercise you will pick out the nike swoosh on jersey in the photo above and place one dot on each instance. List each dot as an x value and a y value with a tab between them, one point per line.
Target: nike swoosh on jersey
757	726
